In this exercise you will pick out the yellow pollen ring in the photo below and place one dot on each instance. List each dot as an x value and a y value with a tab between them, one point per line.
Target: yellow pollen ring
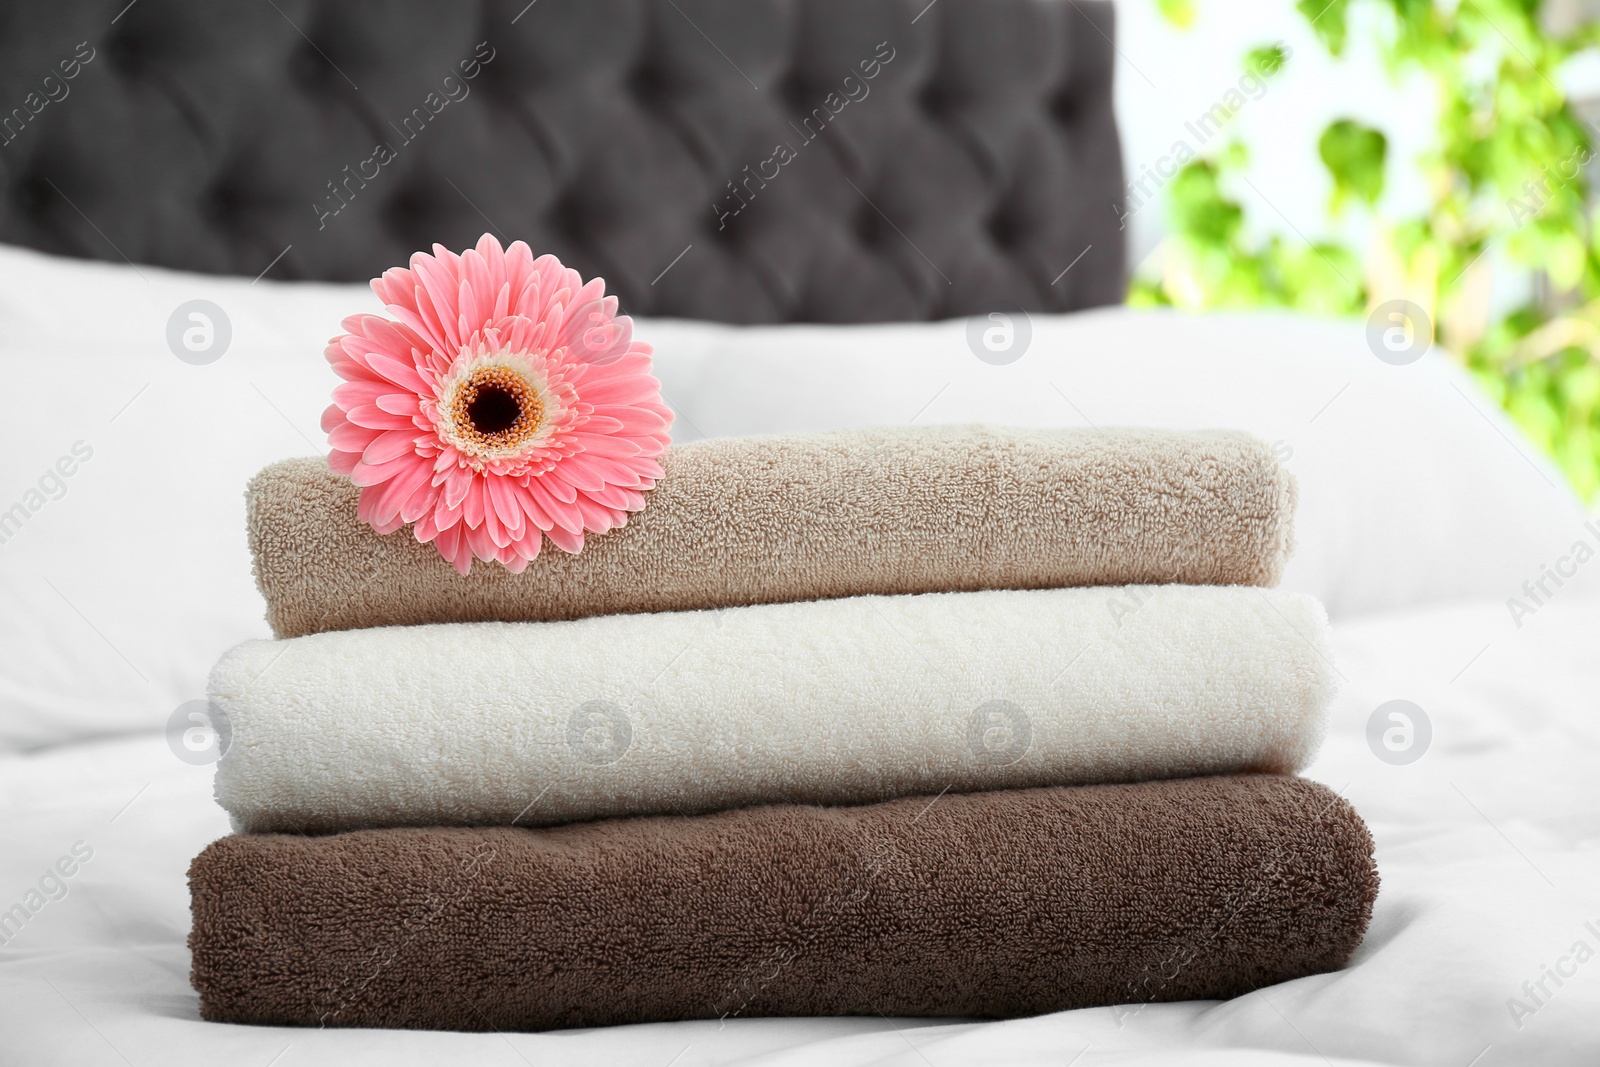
495	409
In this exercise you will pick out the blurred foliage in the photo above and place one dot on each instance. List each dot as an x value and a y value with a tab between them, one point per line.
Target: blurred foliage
1211	263
1506	186
1178	12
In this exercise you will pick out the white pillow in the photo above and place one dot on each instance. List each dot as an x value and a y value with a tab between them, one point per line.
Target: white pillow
124	580
1414	488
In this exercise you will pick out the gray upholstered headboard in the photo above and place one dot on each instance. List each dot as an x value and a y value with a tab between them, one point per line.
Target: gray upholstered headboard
734	160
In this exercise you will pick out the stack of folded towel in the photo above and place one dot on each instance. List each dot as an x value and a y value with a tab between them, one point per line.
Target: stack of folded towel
946	721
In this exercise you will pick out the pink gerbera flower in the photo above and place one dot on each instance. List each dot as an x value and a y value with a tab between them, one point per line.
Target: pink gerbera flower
508	403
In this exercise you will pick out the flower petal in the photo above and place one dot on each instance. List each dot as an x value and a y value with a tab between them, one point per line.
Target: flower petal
348	437
392	444
565	540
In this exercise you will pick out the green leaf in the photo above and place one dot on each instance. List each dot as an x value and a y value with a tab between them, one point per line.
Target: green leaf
1354	155
1532	410
1323	279
1580	388
1199	209
1567	256
1178	12
1265	60
1327	18
1576	454
1147	293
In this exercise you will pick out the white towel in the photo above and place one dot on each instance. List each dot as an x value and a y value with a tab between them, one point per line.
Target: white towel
824	702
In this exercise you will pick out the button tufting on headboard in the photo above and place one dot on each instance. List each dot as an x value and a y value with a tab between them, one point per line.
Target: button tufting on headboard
735	160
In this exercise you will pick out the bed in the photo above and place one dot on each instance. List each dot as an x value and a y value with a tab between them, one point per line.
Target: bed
1444	546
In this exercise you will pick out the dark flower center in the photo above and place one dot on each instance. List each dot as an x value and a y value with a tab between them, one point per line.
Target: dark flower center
493	409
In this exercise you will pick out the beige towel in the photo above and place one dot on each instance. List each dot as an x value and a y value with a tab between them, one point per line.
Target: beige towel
773	519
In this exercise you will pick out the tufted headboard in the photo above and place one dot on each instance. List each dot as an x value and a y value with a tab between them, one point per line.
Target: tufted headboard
732	160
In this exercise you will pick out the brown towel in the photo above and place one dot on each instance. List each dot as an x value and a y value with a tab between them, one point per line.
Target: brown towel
772	519
985	904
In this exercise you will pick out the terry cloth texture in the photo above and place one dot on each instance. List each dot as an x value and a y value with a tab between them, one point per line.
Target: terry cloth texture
827	702
987	904
774	519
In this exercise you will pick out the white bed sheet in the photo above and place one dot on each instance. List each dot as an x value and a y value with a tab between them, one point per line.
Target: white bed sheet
1489	848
